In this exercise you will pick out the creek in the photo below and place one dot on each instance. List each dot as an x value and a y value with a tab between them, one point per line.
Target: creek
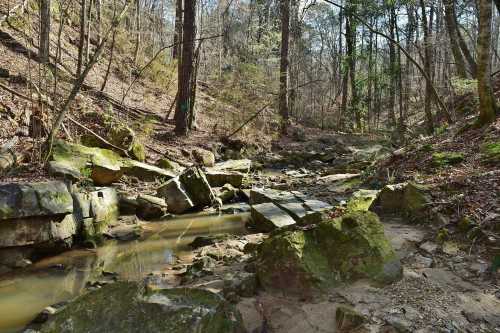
24	293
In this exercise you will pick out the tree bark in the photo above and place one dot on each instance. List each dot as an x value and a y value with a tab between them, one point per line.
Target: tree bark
428	69
177	30
285	37
81	44
452	28
44	50
137	29
393	70
351	57
182	112
487	108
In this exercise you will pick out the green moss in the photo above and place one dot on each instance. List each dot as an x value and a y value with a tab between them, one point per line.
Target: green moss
427	148
138	151
361	200
340	250
442	235
440	159
129	307
491	152
6	212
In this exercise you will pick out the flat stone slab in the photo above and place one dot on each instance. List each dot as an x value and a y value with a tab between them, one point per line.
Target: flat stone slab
267	217
260	195
337	177
243	165
218	178
34	199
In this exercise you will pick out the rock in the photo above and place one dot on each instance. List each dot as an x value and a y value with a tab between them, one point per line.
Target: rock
340	250
204	157
44	231
103	166
34	199
201	241
243	165
267	217
127	204
408	198
347	319
197	187
420	261
4	73
43	316
176	196
167	164
235	208
218	178
242	284
337	177
97	210
150	207
429	247
226	193
145	172
440	159
361	200
304	211
128	307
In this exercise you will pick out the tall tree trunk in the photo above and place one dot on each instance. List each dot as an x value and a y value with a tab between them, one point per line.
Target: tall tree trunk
427	68
137	28
294	67
451	27
285	37
44	50
81	43
182	111
176	50
465	49
351	56
393	70
487	108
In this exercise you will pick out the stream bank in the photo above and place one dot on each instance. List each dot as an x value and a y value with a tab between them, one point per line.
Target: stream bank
443	287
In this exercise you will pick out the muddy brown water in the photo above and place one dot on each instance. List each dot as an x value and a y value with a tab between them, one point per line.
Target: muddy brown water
23	294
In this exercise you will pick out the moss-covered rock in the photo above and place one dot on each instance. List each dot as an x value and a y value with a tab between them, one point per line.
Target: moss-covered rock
138	151
347	319
408	199
340	250
440	159
491	152
361	200
127	307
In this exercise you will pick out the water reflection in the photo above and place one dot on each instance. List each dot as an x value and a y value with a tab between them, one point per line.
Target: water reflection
55	279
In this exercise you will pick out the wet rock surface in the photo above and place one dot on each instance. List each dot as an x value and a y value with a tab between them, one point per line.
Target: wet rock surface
128	307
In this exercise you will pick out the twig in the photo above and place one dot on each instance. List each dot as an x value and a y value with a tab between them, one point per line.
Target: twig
249	120
106	142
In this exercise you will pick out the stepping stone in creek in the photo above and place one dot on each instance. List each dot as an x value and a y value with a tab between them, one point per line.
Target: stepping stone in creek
267	217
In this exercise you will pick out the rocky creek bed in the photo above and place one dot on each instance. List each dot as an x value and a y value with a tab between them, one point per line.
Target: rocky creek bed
294	249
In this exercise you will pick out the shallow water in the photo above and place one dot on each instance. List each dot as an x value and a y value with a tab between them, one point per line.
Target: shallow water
24	294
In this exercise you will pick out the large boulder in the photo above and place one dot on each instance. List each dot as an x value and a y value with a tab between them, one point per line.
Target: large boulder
267	217
128	307
197	187
150	207
103	166
176	196
336	251
204	157
78	161
45	232
34	199
409	199
218	178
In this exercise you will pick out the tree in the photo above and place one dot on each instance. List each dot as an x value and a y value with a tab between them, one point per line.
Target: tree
451	27
427	66
285	38
487	108
177	30
44	50
184	76
81	43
